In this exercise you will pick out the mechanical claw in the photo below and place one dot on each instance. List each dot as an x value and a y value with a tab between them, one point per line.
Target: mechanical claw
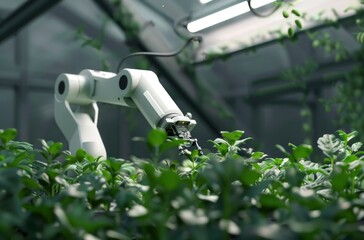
183	148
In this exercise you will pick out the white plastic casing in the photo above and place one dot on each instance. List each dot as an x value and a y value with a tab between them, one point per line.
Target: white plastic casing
79	125
130	87
149	96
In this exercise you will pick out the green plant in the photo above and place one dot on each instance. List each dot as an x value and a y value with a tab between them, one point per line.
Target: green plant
297	21
349	100
331	46
350	92
235	193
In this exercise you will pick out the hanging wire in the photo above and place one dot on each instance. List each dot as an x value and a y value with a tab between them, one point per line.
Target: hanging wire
255	13
157	54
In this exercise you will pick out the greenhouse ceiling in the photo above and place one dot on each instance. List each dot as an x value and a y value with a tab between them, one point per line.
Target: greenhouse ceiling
241	28
229	32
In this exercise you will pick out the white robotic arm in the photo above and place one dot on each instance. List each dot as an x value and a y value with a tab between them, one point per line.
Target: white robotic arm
76	110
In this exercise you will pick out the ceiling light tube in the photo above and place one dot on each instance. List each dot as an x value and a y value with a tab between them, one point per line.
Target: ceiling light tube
224	15
205	1
218	17
260	3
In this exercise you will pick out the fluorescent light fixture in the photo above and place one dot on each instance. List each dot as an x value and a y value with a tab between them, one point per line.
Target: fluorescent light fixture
218	17
260	3
224	15
205	1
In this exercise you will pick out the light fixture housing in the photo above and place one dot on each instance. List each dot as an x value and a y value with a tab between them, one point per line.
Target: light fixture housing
205	1
224	15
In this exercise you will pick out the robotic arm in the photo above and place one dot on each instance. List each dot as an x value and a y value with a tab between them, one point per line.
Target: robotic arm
76	110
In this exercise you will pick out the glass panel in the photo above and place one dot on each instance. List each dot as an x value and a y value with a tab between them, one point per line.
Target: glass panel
7	56
41	120
275	129
7	108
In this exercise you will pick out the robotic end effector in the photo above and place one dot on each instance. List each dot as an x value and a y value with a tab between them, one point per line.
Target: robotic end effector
130	88
181	127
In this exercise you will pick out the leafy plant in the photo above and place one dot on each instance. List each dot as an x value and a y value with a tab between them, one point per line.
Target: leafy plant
235	193
297	21
331	46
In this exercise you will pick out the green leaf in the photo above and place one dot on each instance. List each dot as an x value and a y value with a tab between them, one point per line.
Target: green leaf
169	180
107	175
221	145
193	216
171	143
7	135
115	164
229	226
137	211
194	154
111	234
81	154
285	14
290	32
343	135
62	216
232	137
316	170
271	201
350	158
356	146
249	176
55	148
258	155
156	137
31	183
339	181
294	177
239	142
15	145
302	151
90	166
355	164
150	172
210	198
283	150
325	193
346	137
298	23
296	12
329	144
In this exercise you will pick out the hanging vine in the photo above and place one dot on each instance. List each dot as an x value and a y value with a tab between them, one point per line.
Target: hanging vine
349	100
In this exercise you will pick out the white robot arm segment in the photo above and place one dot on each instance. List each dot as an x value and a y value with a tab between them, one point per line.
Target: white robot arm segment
131	88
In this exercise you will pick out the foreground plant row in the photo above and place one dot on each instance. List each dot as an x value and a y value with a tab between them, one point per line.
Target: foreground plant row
235	193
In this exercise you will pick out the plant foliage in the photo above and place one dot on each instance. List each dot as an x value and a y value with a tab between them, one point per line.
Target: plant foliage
235	193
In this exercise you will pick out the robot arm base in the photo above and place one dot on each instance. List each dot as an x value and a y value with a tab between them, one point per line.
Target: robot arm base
80	128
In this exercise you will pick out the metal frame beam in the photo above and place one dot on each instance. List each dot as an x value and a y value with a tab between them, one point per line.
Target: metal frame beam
275	86
23	16
276	92
345	20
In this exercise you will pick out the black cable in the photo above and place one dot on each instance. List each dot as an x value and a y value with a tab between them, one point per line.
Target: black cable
259	14
156	54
